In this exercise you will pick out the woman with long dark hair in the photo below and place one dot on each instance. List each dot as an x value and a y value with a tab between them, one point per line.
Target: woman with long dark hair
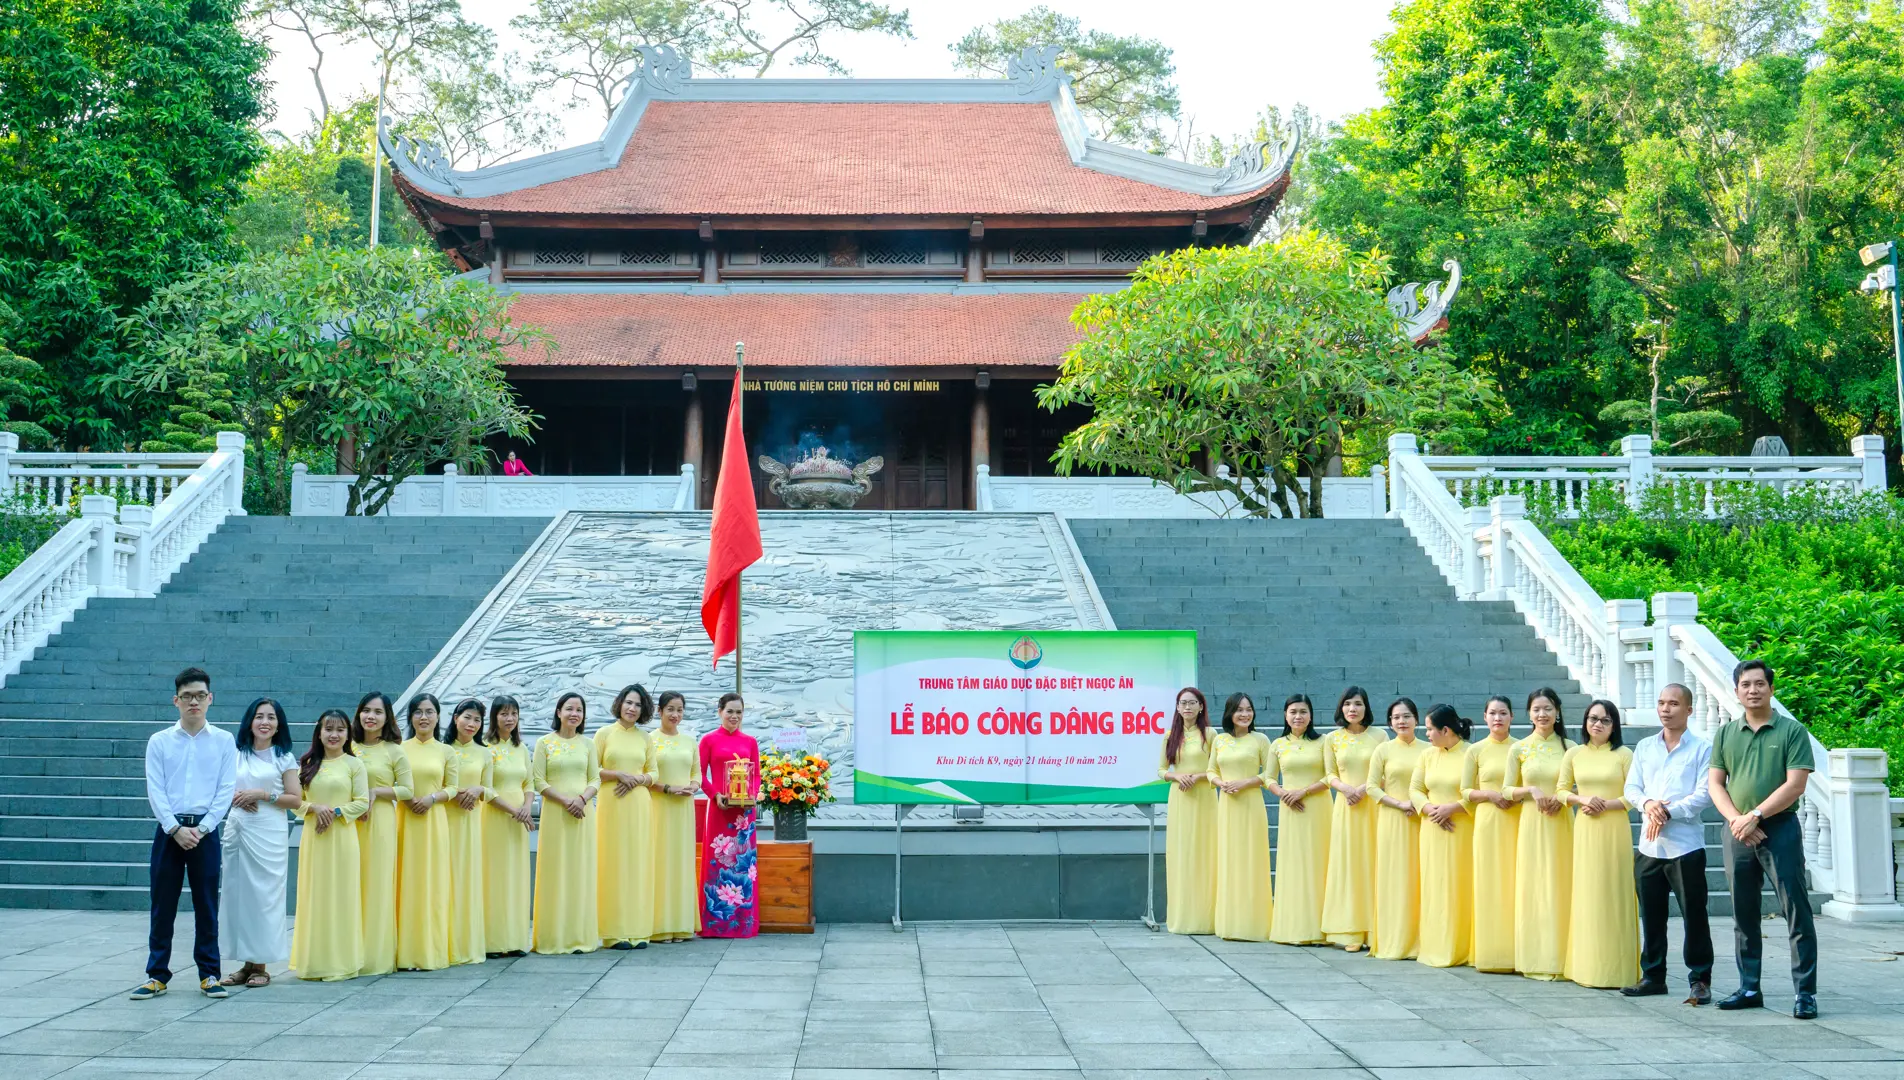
507	822
677	910
463	735
624	829
566	773
1190	822
730	905
425	889
257	847
1394	930
1485	789
1603	933
1297	761
1447	843
328	940
1348	900
1239	760
373	734
1543	850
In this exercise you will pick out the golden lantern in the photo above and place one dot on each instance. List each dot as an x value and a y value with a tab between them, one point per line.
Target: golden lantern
740	783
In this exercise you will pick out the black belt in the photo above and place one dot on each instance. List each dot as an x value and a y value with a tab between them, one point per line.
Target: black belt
189	821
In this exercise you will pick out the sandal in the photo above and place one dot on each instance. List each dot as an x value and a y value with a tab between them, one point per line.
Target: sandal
259	980
236	977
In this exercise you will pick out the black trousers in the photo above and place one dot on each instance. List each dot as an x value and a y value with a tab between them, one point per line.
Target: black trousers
172	867
1781	857
1685	879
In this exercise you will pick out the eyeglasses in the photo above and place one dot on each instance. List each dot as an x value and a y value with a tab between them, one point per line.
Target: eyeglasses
195	697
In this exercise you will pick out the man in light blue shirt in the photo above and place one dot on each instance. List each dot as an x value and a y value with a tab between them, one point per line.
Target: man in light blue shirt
191	771
1667	784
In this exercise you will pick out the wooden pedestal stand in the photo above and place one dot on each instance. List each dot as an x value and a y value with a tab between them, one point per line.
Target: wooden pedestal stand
784	887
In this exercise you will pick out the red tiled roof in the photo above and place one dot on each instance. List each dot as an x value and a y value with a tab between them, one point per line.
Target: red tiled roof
710	158
795	329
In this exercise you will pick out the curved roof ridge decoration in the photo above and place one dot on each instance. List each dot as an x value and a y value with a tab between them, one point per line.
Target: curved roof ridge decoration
666	75
1423	309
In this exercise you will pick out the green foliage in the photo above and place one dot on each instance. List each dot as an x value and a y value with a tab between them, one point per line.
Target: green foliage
1657	206
23	528
22	386
125	134
314	191
381	347
1123	85
1811	583
1269	358
592	46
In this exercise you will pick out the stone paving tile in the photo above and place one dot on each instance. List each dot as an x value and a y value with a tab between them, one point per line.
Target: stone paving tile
937	1002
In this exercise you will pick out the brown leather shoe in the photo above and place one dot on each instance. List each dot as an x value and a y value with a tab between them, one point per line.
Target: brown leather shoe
1701	994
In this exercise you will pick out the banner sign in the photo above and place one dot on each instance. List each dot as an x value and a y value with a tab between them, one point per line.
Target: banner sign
1002	716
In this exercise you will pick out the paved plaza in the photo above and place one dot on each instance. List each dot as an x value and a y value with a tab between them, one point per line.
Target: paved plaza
1106	1001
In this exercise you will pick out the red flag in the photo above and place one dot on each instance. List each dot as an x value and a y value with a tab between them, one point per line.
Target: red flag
734	544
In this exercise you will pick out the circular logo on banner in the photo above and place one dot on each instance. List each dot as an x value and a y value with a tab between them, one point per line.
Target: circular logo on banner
1025	653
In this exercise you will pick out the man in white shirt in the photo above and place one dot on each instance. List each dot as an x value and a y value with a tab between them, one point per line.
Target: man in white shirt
1668	785
191	770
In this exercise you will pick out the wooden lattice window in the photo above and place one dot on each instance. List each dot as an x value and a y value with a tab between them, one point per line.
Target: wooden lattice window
895	255
648	257
1123	254
792	253
1038	253
561	257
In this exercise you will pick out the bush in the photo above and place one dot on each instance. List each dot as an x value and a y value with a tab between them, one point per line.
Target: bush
1812	583
22	531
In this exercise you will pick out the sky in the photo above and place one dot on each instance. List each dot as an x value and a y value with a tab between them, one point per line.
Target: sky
1233	56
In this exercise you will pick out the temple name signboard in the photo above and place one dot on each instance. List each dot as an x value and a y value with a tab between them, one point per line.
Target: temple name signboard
983	716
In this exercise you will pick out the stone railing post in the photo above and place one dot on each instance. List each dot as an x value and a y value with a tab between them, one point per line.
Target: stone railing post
138	521
684	495
101	514
1638	452
1378	491
1621	616
233	443
1400	444
450	474
981	487
1863	887
1871	449
1479	517
300	476
1505	510
1670	609
10	445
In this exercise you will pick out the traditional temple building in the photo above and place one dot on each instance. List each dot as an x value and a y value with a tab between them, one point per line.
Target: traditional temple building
900	257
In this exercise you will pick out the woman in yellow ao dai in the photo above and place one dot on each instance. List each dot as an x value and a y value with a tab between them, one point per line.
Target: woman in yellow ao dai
373	736
566	772
677	910
327	941
474	770
1302	825
1603	933
1190	819
1447	843
624	826
508	819
425	888
1395	927
1543	875
1348	900
1239	760
1496	832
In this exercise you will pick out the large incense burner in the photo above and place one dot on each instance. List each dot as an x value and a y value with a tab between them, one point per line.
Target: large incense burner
819	481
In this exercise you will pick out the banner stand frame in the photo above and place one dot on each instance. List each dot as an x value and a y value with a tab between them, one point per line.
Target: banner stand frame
1150	865
900	810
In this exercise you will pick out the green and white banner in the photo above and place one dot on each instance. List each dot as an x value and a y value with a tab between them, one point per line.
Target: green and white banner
1000	716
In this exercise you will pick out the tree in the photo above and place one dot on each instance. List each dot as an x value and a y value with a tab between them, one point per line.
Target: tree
126	132
747	40
1123	85
313	191
1267	358
476	114
380	346
593	46
20	385
300	17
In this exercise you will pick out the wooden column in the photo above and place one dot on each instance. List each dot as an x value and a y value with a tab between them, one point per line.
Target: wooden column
981	426
975	252
692	443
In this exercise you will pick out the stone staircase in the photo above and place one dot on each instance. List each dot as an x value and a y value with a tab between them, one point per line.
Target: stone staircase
1317	605
311	611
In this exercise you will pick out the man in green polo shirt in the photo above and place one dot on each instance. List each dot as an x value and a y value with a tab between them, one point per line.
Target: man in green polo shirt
1760	765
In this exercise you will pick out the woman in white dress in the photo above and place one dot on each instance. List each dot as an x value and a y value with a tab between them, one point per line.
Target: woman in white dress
257	847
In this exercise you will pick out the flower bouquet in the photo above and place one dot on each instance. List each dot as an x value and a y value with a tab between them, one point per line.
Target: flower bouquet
794	785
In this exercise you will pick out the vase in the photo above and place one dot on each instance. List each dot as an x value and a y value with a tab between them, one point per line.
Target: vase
790	823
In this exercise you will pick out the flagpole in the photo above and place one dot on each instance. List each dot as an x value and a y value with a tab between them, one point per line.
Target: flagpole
740	370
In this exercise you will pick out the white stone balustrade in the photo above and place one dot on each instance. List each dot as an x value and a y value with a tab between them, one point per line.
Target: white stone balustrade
455	494
54	482
1140	497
